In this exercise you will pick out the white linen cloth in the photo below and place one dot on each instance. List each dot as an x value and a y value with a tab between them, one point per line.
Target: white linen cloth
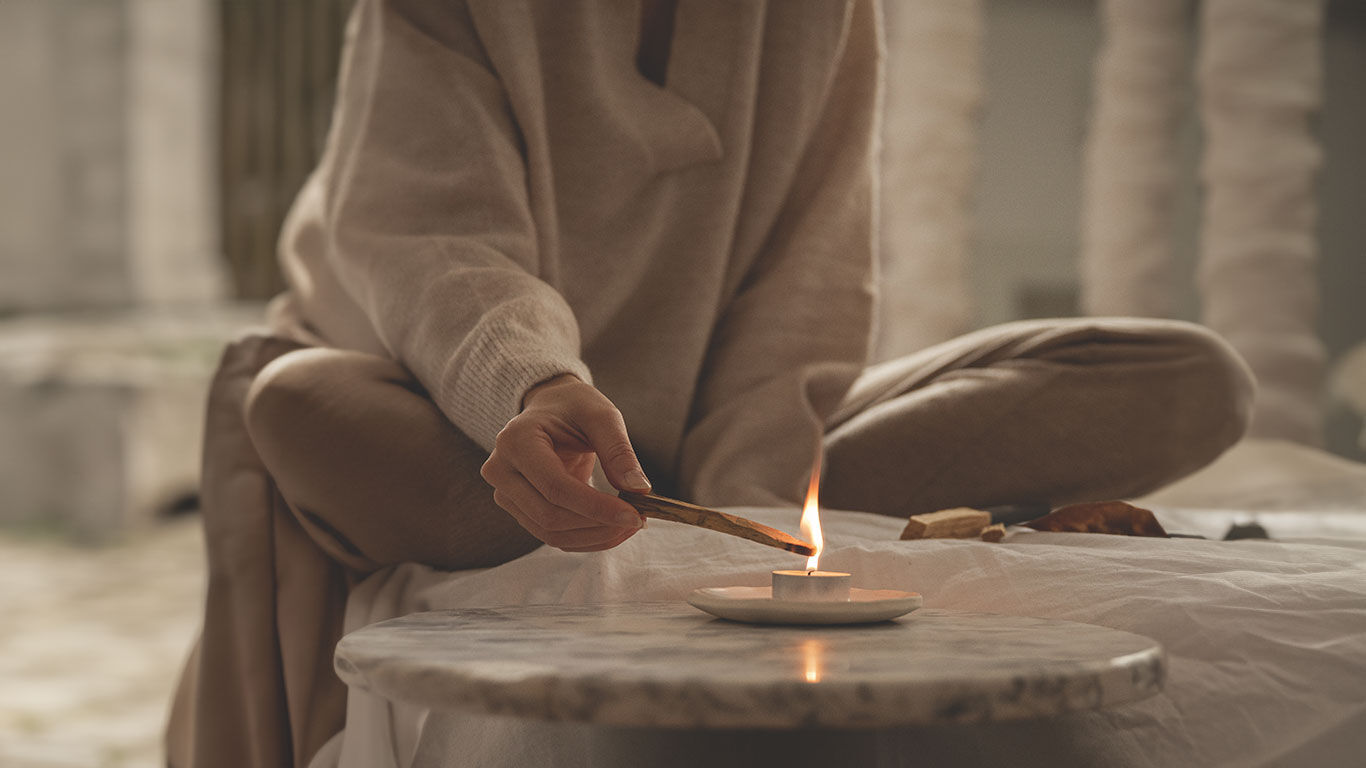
1266	639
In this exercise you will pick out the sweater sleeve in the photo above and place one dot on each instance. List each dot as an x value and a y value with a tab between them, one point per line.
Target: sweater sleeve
424	216
796	335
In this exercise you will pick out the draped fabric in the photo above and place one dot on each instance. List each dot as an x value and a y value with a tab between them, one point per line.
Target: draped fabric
934	89
1130	174
1258	79
1260	73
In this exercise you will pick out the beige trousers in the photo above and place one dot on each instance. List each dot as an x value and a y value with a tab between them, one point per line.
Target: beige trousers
1049	412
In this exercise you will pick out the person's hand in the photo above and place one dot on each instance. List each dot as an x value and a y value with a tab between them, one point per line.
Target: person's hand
542	461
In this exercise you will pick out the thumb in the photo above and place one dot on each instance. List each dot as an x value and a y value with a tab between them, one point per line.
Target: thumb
607	436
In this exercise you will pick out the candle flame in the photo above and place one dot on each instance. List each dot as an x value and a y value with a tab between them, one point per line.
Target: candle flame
811	514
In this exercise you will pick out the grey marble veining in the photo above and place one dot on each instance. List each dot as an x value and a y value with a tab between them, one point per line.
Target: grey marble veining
667	665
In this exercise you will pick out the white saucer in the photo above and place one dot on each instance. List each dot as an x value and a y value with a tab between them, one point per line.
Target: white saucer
757	606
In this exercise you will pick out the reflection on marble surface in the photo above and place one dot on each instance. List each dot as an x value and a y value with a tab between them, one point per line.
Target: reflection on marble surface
666	665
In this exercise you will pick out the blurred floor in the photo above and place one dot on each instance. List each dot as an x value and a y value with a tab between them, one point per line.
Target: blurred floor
91	642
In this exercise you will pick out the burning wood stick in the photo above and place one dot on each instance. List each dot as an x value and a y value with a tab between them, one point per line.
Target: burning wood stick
662	508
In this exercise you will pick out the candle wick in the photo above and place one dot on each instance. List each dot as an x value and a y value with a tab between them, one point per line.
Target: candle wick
810	571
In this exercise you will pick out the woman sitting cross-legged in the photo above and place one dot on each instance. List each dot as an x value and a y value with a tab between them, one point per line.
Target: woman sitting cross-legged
550	236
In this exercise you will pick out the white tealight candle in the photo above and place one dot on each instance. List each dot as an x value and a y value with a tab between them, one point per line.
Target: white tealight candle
811	586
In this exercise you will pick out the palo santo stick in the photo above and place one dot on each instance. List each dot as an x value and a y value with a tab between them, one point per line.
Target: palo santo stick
662	508
956	523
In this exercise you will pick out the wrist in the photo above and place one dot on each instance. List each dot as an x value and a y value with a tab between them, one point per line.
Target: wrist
550	383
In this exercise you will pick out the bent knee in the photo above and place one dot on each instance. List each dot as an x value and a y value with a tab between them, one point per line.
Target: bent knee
279	393
295	390
1200	395
1174	394
1219	385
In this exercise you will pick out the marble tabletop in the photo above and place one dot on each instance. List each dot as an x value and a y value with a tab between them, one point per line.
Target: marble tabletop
668	665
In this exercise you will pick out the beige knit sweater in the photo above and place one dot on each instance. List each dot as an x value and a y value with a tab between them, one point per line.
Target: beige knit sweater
504	198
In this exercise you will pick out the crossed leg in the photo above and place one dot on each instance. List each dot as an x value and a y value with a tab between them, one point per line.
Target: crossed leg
1045	411
377	474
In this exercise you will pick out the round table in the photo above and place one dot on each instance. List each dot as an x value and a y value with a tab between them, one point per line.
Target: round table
667	665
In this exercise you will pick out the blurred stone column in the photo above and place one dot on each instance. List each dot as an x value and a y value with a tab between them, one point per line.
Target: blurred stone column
173	237
1130	167
1260	74
111	282
63	170
107	153
934	87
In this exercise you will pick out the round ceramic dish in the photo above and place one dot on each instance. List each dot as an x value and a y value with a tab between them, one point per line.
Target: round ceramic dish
755	605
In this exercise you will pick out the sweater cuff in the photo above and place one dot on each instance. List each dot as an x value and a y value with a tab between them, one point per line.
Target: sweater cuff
486	390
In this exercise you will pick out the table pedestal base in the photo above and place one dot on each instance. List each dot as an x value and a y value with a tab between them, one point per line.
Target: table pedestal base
576	745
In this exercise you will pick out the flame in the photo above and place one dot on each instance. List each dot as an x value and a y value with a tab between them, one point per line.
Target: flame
811	515
813	657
